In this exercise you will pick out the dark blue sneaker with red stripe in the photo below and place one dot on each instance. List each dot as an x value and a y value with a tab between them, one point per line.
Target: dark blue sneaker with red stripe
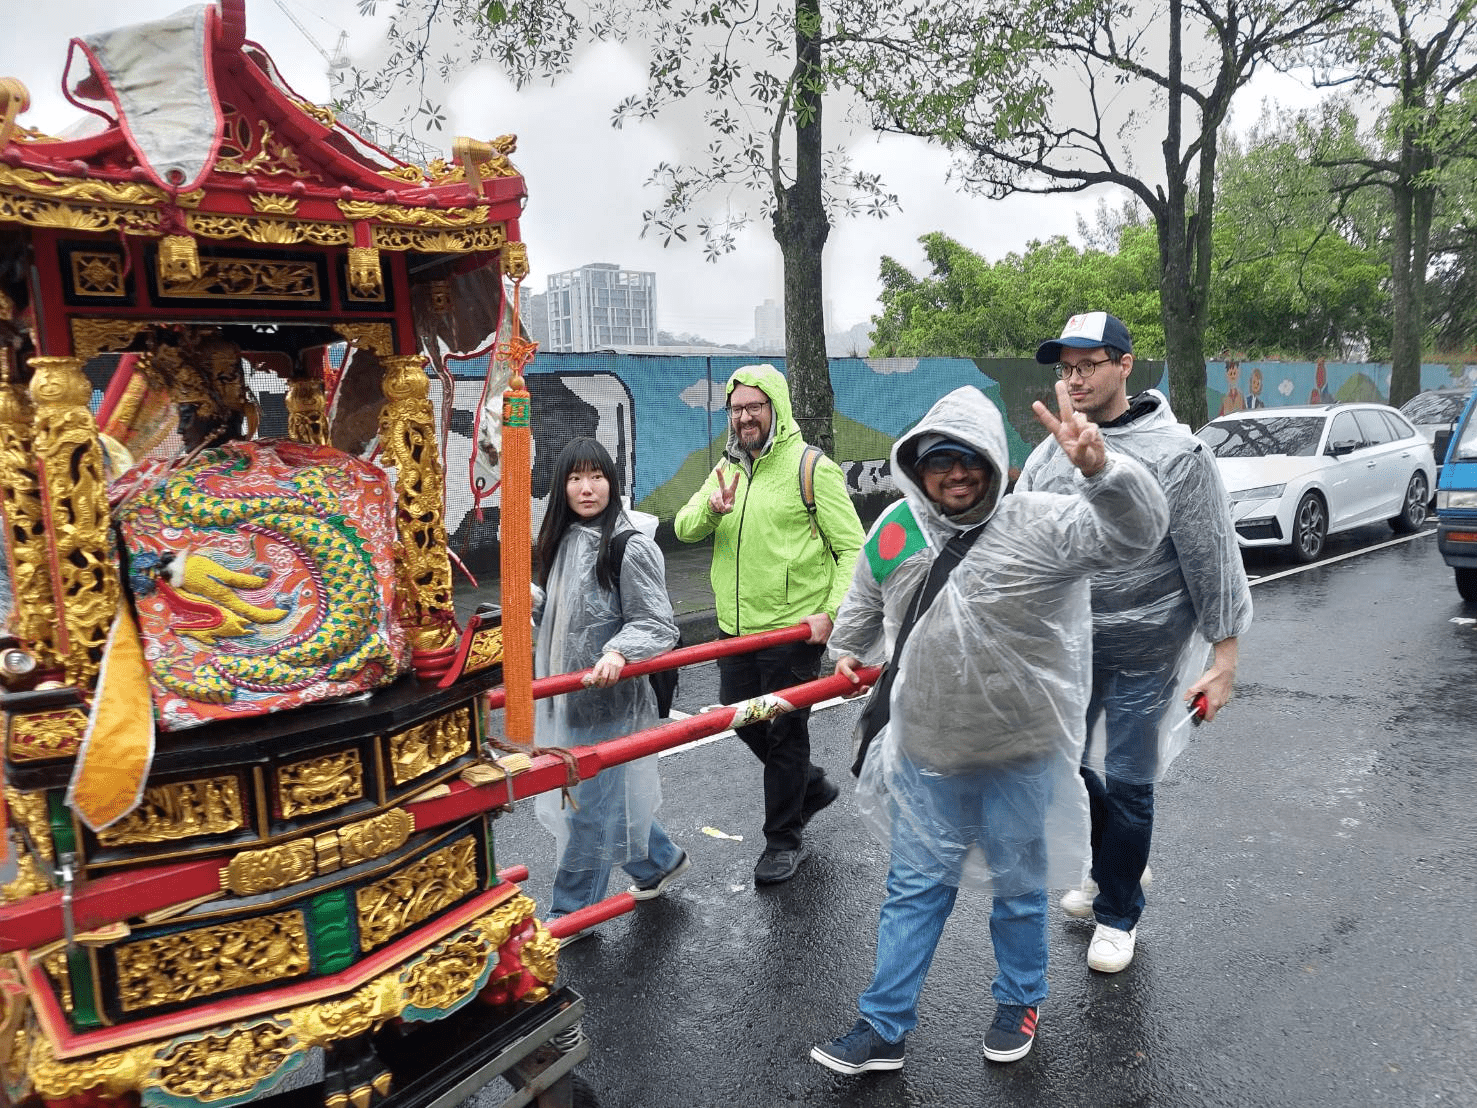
1011	1035
860	1050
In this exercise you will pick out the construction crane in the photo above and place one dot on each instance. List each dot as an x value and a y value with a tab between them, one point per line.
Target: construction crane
399	143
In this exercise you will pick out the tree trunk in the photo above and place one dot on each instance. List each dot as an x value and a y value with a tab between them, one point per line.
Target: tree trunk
1181	306
1405	342
801	229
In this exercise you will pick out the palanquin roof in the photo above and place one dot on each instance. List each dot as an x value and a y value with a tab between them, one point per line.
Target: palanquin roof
201	136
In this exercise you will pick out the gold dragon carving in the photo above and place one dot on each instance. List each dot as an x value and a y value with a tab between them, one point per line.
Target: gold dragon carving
232	1061
423	569
91	337
379	337
415	893
317	784
34	618
85	578
425	746
204	961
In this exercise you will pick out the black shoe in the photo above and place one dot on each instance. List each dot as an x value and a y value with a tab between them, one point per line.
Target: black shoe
1011	1035
779	865
826	796
859	1050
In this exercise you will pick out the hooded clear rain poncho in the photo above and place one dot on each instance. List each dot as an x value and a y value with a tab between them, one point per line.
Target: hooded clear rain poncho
975	777
577	621
1153	623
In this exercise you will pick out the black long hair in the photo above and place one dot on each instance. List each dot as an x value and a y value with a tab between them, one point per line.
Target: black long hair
578	455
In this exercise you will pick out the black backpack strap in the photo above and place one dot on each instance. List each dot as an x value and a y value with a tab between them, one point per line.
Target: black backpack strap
615	553
878	708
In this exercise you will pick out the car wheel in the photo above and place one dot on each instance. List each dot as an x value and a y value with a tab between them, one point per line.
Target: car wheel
1309	527
1466	583
1413	512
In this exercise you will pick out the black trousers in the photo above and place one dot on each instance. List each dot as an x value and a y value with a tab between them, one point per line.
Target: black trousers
783	744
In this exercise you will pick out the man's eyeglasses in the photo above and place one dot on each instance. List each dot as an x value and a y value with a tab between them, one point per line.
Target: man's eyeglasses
942	461
751	410
1086	369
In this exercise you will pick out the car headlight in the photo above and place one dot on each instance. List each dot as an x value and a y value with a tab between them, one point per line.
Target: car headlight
1456	498
1265	492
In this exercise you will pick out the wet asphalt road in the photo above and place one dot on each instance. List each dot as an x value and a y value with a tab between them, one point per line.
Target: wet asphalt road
1307	941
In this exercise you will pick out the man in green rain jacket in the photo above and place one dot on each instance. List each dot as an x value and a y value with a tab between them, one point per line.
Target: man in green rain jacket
774	564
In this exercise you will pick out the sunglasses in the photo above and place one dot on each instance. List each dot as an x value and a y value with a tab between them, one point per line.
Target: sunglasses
942	461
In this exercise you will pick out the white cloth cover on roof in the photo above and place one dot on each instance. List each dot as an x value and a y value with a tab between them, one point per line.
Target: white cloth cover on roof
158	76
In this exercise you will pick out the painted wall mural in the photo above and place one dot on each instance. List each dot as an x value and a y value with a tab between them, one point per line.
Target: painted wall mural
662	418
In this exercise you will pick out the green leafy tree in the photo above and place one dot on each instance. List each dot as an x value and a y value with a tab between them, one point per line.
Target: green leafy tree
968	307
757	74
1420	59
1060	96
1294	274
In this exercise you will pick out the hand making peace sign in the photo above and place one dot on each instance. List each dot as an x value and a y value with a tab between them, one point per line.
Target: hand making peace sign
721	500
1079	436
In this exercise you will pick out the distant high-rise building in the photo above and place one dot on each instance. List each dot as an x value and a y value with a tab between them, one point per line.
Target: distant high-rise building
533	310
601	306
769	328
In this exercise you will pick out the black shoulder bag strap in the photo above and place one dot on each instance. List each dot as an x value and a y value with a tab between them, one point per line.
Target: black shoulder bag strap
878	708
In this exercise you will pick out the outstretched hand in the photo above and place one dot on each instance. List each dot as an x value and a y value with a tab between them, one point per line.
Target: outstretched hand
721	500
1079	437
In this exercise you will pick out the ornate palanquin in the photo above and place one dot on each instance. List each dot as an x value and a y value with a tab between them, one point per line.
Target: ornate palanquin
291	599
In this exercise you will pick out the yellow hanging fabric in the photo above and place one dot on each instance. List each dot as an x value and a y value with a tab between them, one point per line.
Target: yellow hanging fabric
118	747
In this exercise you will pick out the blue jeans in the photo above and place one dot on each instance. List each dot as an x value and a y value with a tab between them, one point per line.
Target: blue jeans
1121	799
579	888
1011	809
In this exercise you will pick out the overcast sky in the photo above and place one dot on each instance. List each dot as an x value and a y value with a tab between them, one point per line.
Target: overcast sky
585	178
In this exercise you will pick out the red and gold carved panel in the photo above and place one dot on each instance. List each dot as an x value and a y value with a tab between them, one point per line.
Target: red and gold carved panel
264	578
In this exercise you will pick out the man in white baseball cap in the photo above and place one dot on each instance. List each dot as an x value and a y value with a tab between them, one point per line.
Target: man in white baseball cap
1153	625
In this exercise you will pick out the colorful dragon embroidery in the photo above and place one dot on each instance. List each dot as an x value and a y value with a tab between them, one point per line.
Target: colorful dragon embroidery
261	570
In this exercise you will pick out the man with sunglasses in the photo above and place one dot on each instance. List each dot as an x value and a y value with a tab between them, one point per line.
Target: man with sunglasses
775	564
1151	623
973	780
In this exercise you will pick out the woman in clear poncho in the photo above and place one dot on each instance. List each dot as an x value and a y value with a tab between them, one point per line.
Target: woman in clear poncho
589	614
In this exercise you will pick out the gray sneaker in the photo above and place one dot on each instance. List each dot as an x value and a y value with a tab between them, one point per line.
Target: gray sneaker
776	866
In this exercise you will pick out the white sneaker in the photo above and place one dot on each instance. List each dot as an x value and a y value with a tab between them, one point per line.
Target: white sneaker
1077	903
1111	949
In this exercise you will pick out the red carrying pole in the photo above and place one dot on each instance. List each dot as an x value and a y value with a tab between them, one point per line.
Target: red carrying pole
682	656
39	920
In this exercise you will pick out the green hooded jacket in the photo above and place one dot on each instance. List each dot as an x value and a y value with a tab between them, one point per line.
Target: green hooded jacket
770	567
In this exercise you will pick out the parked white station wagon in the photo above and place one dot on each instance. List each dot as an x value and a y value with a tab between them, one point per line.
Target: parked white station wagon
1299	474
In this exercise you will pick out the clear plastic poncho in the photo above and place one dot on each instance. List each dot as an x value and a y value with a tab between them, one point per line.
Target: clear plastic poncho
1153	623
974	780
577	621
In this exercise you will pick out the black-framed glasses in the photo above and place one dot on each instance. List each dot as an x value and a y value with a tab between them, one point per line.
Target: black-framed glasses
751	410
942	461
1085	369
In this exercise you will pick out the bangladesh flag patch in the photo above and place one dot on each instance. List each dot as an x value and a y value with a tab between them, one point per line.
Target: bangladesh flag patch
895	541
